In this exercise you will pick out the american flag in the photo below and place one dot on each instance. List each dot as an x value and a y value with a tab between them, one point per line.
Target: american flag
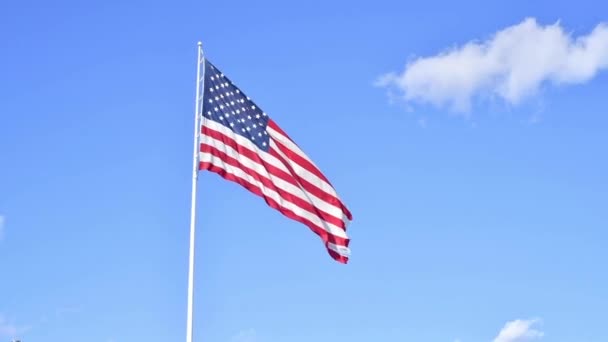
242	144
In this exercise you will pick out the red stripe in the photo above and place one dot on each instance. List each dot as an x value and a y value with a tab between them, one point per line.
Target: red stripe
294	156
325	236
324	216
245	151
304	163
291	177
340	258
305	184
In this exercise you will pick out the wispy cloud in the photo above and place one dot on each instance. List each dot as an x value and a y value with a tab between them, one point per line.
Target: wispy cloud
9	329
512	64
519	331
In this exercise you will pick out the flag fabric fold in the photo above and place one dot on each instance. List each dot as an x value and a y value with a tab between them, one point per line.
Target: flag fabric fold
241	143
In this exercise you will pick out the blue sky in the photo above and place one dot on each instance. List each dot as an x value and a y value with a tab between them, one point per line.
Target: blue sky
478	222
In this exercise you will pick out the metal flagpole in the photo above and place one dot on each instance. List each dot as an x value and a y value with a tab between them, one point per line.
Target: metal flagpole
197	130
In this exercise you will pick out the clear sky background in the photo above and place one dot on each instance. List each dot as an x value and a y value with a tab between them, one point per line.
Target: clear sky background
477	181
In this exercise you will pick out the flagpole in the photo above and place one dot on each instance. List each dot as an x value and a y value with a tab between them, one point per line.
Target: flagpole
198	101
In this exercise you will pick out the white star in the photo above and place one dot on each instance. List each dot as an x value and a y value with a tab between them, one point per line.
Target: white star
211	89
252	107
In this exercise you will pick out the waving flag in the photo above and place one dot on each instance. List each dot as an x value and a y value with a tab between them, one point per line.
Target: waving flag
242	144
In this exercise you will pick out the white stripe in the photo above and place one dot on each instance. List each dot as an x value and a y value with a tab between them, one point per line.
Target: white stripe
241	140
305	174
270	159
301	171
342	250
289	144
237	172
316	202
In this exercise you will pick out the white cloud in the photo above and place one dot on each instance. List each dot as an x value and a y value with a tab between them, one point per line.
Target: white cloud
519	331
512	64
1	227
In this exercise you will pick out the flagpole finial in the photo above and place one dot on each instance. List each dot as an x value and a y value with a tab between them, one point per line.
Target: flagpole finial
200	43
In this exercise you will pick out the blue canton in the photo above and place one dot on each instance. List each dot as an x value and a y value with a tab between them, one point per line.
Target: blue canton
226	104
